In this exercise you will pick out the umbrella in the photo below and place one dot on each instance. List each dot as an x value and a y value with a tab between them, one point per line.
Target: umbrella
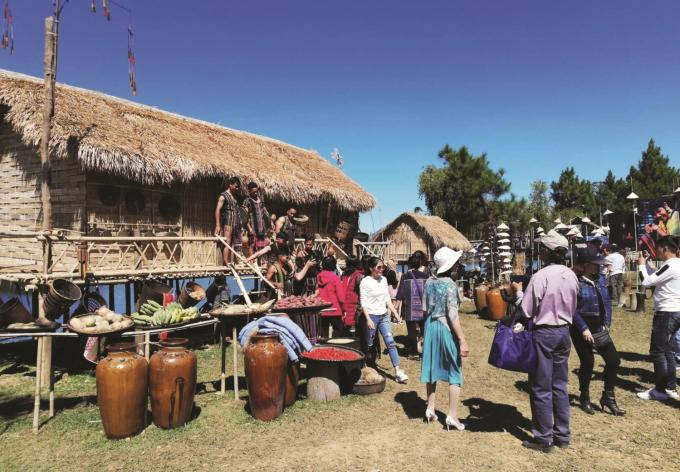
507	259
506	272
558	221
503	226
505	254
503	235
540	230
560	226
572	232
504	247
504	240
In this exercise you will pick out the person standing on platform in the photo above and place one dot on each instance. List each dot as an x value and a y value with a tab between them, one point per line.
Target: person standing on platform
666	322
286	225
550	300
228	218
258	223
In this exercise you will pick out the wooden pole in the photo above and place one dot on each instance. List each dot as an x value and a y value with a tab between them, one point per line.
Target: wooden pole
50	70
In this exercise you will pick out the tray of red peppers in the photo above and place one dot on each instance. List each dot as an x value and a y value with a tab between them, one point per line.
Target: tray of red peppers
294	304
333	354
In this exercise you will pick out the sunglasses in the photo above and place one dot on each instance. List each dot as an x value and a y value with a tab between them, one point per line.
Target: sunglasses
380	267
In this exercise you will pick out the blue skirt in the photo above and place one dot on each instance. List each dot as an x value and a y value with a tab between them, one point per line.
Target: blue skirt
441	356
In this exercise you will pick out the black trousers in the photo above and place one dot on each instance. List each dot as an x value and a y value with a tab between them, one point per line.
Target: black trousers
336	322
585	353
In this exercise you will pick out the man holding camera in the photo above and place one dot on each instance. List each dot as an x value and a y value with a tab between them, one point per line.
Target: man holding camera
666	323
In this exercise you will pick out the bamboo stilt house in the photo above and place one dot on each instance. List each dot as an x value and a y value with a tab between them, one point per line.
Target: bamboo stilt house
413	231
132	168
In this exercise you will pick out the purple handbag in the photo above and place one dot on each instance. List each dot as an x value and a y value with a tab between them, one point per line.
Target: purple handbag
513	351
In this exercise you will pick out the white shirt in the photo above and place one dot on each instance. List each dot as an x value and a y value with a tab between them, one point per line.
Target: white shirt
617	263
374	295
667	283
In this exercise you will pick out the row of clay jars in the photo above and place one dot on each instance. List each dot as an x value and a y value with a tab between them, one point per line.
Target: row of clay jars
124	379
271	378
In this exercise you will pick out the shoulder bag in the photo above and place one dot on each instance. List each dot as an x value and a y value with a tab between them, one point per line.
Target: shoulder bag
513	351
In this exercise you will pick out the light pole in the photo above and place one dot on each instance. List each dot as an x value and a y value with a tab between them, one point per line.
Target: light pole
532	222
633	197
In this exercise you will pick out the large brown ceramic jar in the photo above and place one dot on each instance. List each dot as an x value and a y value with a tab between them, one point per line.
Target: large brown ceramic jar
172	383
292	379
122	380
480	298
495	304
266	362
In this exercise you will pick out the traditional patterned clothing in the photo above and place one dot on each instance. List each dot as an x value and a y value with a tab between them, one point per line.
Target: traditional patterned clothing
441	352
259	220
230	219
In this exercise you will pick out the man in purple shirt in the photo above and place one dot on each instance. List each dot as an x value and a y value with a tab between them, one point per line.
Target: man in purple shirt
550	300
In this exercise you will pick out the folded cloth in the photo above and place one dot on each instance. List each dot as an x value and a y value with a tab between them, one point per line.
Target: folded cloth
290	334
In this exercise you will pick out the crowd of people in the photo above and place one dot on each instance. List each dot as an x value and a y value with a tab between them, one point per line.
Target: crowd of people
562	306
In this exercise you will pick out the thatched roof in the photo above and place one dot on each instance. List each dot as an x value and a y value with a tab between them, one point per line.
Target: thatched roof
151	146
432	229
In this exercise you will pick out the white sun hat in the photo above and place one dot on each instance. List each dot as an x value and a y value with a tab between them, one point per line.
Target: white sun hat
445	258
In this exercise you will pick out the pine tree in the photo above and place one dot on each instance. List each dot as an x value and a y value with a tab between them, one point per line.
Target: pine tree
654	176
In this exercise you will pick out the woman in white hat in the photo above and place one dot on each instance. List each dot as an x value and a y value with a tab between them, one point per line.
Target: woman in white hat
444	342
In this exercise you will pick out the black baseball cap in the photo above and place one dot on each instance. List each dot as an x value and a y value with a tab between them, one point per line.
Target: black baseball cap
588	254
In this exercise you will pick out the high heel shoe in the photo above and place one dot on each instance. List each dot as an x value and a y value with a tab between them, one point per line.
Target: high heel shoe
609	400
455	423
430	415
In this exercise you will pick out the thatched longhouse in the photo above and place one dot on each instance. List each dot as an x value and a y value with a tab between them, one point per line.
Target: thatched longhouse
413	231
119	163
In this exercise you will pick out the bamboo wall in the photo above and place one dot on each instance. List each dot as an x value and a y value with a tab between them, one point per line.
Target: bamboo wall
405	242
20	206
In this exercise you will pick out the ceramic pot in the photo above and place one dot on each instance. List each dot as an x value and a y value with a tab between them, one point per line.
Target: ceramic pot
122	381
495	304
480	298
292	379
172	383
265	361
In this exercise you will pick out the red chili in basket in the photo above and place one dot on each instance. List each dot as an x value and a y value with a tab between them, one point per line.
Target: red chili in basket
332	354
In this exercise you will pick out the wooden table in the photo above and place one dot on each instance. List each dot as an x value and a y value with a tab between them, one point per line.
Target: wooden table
41	335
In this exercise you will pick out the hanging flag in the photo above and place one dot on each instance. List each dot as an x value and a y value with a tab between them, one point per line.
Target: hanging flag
107	10
132	61
7	38
93	6
335	154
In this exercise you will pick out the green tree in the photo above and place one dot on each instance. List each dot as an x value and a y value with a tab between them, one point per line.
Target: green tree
539	202
611	194
572	196
463	190
653	176
515	212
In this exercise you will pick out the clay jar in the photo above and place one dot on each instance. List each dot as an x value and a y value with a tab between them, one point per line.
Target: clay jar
172	383
480	298
266	362
495	304
122	381
292	379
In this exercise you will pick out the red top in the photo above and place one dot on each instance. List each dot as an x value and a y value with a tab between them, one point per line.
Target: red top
349	283
331	290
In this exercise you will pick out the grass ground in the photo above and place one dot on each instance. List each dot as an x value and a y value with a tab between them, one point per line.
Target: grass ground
380	432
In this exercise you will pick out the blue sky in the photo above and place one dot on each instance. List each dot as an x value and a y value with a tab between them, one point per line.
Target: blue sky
537	85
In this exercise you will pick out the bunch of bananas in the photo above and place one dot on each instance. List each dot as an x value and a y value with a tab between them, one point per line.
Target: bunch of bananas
154	314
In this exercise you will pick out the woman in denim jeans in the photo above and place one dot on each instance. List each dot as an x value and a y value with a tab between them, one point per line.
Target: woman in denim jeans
376	305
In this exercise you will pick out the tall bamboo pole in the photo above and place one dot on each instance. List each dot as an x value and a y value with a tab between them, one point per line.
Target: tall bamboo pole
50	70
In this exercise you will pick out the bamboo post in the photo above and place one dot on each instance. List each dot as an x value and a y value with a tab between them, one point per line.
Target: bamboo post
36	398
234	334
223	355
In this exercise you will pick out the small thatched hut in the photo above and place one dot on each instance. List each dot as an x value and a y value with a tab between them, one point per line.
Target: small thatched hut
120	165
413	231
